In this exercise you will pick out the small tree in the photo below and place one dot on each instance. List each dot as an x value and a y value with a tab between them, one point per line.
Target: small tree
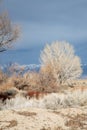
60	63
8	32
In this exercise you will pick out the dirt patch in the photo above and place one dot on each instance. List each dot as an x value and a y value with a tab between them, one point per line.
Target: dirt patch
45	128
59	113
49	128
78	121
12	123
26	113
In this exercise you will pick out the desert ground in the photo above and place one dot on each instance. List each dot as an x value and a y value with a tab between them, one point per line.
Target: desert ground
51	112
62	110
44	119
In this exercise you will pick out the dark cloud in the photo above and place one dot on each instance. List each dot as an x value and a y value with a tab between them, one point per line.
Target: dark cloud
44	21
60	11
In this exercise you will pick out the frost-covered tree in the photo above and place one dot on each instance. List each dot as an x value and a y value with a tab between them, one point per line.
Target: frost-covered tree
8	32
60	63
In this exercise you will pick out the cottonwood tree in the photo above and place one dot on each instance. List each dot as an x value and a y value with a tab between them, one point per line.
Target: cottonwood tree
8	32
59	63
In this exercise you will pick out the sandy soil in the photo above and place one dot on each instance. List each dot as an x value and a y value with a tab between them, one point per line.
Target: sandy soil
44	119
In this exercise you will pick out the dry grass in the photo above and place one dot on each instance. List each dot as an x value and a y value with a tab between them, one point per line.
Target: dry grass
26	113
6	86
3	77
31	81
49	101
78	121
42	81
39	84
11	124
43	119
49	128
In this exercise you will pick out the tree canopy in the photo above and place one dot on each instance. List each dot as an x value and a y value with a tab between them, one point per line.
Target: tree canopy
60	63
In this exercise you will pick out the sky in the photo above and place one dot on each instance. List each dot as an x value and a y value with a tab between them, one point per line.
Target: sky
45	21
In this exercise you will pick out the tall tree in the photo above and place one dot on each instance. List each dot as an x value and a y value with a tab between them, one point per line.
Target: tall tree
60	63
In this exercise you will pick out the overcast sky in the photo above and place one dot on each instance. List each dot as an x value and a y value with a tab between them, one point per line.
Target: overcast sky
44	21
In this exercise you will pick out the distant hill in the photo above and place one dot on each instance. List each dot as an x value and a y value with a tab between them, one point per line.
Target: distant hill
33	67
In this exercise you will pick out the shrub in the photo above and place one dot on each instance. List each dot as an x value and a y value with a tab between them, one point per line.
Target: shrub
50	101
3	77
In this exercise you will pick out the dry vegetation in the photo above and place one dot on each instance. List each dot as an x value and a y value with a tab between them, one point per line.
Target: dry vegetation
65	97
59	68
42	119
49	90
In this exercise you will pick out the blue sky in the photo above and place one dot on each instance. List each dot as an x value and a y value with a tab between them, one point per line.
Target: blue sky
44	21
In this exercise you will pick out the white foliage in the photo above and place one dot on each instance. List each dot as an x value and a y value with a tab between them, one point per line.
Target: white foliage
20	102
54	101
50	101
78	98
61	57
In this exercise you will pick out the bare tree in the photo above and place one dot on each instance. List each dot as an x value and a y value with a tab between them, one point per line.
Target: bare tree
64	65
8	32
